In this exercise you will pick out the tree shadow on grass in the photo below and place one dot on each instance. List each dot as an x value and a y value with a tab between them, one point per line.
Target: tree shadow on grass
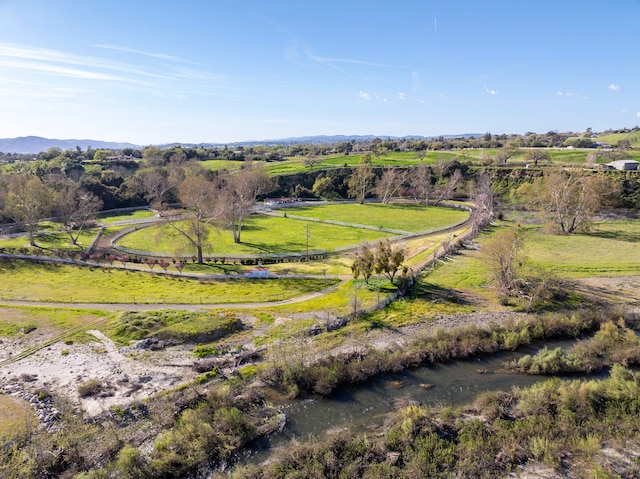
280	248
438	294
616	235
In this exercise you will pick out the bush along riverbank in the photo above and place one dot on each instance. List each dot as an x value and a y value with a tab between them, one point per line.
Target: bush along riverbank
322	376
613	343
181	434
588	427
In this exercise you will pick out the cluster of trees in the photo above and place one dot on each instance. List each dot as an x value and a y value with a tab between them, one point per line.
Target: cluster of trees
27	200
422	183
567	199
381	258
222	198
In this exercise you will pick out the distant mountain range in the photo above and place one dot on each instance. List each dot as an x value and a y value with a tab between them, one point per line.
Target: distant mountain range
36	144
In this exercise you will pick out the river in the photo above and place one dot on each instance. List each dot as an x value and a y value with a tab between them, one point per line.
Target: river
362	407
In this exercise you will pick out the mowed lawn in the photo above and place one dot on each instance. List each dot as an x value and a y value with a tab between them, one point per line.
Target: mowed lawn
260	234
27	281
407	217
53	240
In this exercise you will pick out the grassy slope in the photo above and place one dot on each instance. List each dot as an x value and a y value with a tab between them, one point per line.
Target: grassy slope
462	283
13	320
614	138
52	241
27	281
15	416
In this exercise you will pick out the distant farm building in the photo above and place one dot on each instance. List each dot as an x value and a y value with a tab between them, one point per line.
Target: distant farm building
280	201
624	165
262	273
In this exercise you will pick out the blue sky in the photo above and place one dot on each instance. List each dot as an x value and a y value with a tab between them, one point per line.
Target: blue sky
159	71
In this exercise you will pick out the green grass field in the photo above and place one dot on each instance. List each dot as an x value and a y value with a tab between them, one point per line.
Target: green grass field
261	234
404	158
407	217
462	282
14	320
67	284
215	165
54	240
614	138
269	234
612	248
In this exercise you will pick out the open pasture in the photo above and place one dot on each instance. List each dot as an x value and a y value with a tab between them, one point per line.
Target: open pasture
20	320
611	248
68	284
395	158
261	234
409	217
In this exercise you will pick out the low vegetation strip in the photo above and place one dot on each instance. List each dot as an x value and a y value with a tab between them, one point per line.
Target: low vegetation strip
324	375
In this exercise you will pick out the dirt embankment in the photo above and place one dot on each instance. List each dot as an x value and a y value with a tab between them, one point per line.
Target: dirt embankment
116	376
109	376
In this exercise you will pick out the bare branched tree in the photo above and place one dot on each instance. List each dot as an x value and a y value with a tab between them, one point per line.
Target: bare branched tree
240	192
76	208
390	182
483	198
200	198
420	183
446	189
361	179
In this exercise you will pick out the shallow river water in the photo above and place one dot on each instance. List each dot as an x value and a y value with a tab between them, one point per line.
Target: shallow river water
362	407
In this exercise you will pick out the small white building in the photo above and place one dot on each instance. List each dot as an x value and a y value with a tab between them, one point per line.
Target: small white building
262	273
624	165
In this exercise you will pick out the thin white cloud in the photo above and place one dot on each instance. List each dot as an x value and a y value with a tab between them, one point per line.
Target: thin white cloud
88	67
638	114
402	96
614	87
490	91
64	71
298	51
159	56
416	83
364	95
570	94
